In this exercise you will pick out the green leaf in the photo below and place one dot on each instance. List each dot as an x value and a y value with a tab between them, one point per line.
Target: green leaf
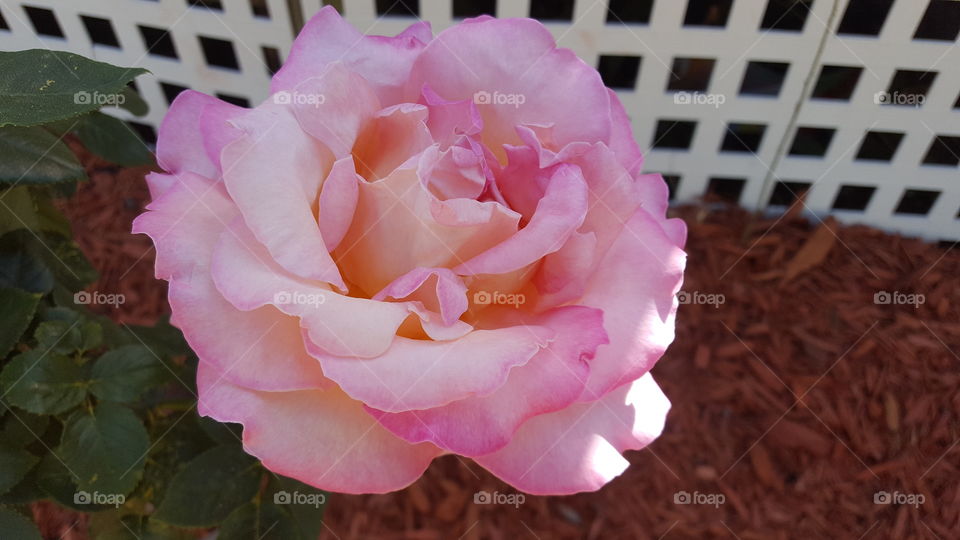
26	491
92	335
15	525
58	483
63	127
106	449
17	210
133	103
15	463
164	338
33	155
258	522
43	382
305	504
182	442
41	86
25	208
220	432
16	314
62	314
210	487
59	336
113	140
121	525
114	525
22	429
67	263
49	218
124	374
22	265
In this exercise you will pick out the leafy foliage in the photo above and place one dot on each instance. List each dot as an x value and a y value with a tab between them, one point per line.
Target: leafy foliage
41	86
99	417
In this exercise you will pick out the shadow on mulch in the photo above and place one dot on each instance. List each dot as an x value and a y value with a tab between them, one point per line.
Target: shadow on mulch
803	405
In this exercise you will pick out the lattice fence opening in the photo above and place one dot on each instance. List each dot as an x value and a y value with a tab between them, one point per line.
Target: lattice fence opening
855	102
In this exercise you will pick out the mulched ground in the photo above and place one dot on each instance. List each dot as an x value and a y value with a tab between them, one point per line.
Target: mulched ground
797	401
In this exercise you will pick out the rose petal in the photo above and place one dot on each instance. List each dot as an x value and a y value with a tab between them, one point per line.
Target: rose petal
337	324
621	141
418	374
579	448
180	141
159	183
326	38
274	173
392	137
638	312
559	213
322	438
518	59
217	131
563	274
399	226
261	349
449	120
338	202
449	295
184	222
334	107
551	380
456	172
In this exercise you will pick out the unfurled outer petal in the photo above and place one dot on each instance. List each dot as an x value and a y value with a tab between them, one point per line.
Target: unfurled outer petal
551	380
635	285
320	437
621	137
418	374
179	140
261	349
383	61
579	448
184	224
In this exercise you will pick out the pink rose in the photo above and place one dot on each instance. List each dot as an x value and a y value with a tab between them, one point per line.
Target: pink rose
421	246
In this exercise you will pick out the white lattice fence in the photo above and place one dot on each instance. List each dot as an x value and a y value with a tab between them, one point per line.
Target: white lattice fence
711	85
223	47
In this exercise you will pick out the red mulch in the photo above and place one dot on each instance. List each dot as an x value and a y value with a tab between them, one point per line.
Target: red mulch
797	399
